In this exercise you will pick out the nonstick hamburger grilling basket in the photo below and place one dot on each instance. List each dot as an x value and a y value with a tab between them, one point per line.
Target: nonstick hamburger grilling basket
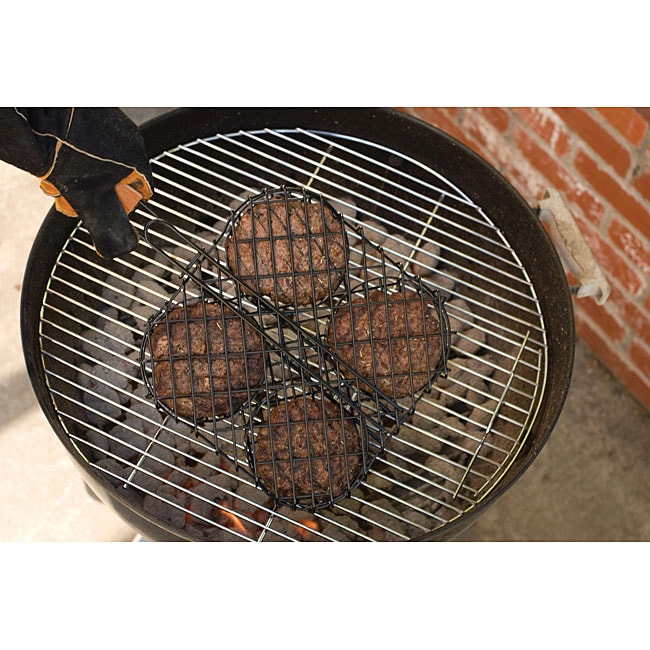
339	325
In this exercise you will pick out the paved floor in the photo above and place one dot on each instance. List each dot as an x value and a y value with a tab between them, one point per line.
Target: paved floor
590	482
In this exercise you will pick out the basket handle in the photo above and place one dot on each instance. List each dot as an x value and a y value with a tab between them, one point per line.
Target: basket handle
573	248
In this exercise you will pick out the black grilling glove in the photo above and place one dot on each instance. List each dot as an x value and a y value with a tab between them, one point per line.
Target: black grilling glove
91	160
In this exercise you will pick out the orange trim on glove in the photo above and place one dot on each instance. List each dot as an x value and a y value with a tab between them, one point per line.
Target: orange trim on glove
60	203
130	191
133	189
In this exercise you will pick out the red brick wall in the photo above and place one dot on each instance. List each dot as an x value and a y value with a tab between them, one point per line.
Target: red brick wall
599	159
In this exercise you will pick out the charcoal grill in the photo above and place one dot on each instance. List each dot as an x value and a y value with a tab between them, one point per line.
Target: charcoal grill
421	211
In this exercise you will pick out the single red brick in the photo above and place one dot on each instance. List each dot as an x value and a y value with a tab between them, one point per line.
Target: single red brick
499	118
614	191
628	122
615	361
548	126
559	176
635	248
596	137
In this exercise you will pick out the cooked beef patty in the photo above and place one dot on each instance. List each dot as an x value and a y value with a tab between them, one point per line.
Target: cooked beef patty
192	344
294	256
392	341
308	450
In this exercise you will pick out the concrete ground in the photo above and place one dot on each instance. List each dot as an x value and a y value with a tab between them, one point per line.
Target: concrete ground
590	482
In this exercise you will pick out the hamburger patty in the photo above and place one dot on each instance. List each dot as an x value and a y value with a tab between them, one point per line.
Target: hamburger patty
293	256
392	341
200	367
307	448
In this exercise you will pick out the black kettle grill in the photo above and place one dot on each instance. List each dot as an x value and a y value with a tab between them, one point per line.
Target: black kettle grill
420	210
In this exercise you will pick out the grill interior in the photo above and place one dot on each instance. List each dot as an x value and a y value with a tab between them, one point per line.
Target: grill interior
448	454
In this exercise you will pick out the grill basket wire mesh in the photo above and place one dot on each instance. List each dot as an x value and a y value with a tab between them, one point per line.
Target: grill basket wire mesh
449	454
299	363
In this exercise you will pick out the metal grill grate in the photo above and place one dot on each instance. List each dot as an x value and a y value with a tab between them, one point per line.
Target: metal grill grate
449	453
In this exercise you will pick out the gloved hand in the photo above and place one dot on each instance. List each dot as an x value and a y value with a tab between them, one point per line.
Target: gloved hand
91	160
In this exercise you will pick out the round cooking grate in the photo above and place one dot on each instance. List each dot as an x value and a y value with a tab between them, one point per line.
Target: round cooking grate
452	449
